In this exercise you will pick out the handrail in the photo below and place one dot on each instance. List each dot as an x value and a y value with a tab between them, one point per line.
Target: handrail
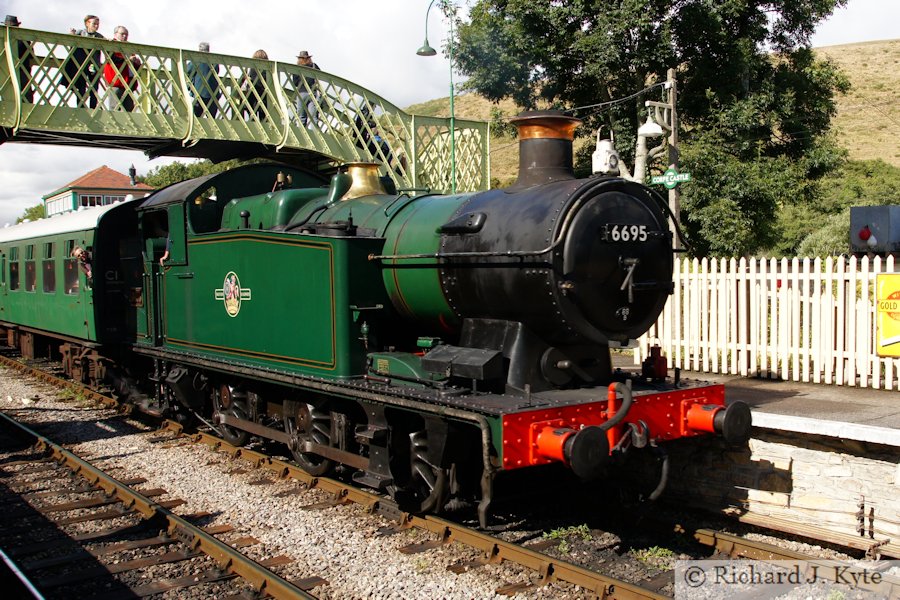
46	93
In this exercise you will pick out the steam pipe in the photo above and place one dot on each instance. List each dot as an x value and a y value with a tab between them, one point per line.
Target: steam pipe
622	412
663	476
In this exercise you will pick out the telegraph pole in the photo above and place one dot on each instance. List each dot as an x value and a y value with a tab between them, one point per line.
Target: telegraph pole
666	115
674	193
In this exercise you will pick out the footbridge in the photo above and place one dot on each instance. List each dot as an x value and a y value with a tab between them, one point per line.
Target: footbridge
61	89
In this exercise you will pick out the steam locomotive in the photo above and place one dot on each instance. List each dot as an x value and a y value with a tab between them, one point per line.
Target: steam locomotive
422	344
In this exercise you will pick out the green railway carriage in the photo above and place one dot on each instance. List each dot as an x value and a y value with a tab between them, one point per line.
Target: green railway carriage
44	291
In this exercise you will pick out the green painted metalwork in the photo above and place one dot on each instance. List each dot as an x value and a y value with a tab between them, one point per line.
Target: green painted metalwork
402	364
415	285
229	292
47	81
43	287
269	210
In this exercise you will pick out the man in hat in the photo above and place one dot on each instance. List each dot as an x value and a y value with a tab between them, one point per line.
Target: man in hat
203	77
307	90
26	60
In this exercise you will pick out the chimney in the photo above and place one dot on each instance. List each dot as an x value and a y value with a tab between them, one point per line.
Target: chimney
545	146
132	173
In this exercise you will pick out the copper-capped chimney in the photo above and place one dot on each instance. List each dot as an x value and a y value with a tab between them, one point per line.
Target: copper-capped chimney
545	146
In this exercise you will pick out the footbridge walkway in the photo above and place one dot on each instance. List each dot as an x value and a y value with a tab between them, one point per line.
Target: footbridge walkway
61	89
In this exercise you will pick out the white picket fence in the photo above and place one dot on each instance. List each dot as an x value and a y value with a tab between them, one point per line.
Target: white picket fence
806	320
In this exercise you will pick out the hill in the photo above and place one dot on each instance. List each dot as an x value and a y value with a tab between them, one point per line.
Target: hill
868	118
867	122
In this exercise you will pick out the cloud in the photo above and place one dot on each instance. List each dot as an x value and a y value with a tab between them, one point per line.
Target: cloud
859	21
372	44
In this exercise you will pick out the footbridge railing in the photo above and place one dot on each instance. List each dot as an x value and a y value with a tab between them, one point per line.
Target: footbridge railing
65	89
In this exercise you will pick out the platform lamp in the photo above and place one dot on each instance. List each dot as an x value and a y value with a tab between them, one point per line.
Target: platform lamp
650	129
427	50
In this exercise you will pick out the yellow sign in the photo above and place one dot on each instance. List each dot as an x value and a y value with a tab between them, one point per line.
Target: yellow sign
887	312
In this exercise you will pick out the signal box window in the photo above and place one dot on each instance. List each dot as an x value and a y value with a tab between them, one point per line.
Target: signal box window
49	269
30	272
13	269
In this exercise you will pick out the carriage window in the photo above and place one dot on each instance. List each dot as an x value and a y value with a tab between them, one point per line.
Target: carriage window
70	268
13	269
2	270
70	273
13	276
30	272
49	269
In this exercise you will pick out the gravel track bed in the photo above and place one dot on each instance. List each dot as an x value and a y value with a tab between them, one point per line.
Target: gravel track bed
341	544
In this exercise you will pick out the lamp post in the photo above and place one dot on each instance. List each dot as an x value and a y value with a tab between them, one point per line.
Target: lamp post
427	50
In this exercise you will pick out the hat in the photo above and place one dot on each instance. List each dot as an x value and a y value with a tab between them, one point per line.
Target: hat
204	46
12	21
304	54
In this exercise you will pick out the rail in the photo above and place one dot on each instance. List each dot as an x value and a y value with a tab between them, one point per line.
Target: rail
227	558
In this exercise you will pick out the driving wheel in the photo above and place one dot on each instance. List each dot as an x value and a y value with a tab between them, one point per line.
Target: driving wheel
427	489
314	425
231	401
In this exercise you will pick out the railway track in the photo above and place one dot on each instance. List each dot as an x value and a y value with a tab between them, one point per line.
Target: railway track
73	530
445	534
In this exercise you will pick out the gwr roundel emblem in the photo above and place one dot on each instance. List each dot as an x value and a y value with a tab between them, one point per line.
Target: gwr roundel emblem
232	294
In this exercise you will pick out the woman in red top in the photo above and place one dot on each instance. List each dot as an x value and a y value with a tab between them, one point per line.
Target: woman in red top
119	73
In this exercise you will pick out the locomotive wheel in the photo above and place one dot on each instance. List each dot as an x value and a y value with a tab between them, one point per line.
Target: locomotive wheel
311	424
428	488
233	402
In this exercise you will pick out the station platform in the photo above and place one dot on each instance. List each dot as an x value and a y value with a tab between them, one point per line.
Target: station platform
864	415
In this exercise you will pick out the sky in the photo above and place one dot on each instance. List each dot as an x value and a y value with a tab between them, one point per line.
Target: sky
371	43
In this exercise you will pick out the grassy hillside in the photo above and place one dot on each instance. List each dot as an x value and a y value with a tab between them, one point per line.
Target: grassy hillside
868	119
867	123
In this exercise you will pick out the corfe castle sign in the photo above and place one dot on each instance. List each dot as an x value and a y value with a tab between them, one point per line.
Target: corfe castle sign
671	178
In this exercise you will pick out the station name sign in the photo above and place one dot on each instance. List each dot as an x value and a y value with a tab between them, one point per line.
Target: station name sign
670	178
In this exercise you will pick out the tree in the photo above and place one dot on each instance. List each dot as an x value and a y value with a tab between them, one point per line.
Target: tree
32	213
822	228
754	103
175	172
